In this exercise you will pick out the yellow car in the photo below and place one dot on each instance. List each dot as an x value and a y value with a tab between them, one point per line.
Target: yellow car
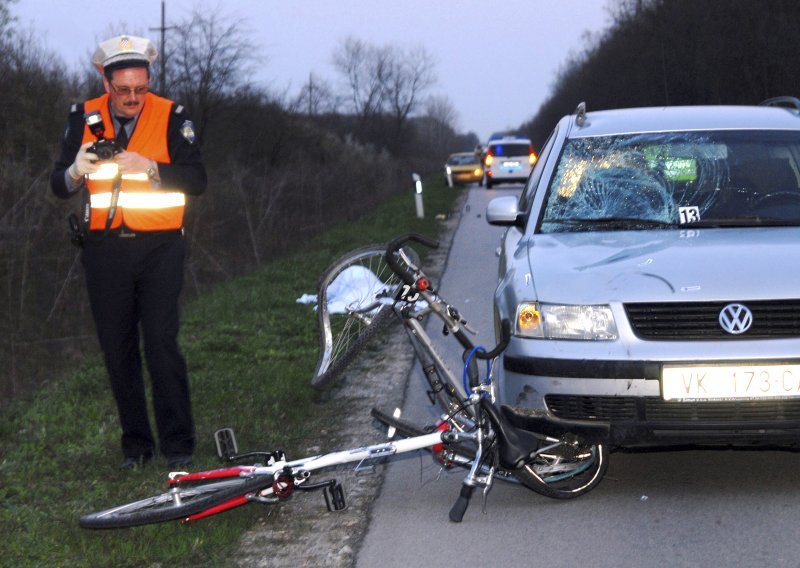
464	168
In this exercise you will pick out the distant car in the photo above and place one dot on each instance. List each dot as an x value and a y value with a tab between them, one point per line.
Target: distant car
508	160
650	275
464	168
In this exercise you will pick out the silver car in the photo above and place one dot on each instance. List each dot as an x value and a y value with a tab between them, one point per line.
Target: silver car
651	275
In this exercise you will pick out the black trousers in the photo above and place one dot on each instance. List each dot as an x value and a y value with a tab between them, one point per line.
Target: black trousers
134	283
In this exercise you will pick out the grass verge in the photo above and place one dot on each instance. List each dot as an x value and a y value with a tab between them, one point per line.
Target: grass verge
251	349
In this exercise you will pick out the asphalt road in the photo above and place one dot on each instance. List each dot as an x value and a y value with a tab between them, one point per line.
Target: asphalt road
684	508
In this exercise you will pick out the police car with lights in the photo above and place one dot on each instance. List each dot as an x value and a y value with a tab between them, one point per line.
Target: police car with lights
507	159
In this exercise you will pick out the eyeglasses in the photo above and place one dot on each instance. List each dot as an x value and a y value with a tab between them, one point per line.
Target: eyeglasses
128	91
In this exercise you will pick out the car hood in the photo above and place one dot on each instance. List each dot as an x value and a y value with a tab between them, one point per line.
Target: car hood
648	266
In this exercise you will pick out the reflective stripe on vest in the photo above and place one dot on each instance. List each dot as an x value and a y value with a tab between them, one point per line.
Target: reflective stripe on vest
140	207
144	200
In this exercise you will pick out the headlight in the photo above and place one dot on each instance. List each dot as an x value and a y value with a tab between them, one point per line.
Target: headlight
556	321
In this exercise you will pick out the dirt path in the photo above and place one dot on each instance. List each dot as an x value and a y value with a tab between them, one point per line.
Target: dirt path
302	532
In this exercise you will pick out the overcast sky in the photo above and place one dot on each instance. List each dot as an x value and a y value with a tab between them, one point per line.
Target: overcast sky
495	59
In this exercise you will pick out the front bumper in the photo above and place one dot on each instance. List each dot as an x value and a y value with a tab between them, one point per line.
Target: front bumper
626	396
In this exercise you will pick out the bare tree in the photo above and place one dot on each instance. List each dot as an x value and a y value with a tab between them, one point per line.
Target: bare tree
316	97
410	75
209	62
6	19
437	126
366	69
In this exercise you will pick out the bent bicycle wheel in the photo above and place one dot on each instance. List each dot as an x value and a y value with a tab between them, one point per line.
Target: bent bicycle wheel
566	473
354	303
178	503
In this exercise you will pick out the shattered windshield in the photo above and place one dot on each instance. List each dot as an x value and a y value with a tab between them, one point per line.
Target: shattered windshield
666	180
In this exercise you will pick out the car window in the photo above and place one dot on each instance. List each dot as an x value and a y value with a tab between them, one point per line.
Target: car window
459	160
511	150
726	178
536	175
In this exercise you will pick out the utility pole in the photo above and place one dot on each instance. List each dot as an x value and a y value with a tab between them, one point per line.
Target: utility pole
310	93
162	66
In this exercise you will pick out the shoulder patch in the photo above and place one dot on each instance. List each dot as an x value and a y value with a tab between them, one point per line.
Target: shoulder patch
178	109
187	130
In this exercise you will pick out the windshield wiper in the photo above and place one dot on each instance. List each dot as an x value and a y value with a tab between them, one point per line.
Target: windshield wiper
744	222
613	222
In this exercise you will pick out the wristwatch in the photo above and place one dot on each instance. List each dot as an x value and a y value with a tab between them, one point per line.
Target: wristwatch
152	172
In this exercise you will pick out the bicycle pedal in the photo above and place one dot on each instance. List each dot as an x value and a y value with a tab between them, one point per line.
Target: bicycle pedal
334	497
392	430
226	443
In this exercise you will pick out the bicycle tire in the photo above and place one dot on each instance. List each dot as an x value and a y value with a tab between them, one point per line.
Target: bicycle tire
580	474
568	488
343	336
162	508
403	427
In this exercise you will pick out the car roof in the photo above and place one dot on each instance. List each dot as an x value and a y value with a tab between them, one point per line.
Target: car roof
472	154
683	118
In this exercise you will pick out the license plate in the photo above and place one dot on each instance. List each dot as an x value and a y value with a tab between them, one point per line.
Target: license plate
511	166
726	382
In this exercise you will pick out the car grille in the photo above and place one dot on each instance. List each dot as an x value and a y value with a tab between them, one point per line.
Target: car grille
654	409
700	320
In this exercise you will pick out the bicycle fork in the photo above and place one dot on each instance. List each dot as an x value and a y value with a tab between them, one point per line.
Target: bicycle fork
474	478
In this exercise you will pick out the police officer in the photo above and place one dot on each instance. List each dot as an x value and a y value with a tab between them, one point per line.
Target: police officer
134	249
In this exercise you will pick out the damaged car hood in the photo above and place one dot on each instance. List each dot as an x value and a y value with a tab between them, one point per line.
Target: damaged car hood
665	265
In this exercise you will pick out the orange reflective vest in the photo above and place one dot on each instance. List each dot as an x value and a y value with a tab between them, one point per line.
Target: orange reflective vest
139	206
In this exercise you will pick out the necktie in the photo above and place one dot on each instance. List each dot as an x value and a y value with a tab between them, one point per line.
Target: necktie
122	134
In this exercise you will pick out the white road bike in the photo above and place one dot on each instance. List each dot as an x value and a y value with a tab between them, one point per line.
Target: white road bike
359	295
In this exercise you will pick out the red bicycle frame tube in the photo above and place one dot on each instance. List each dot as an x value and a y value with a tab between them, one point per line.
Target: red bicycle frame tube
213	474
229	504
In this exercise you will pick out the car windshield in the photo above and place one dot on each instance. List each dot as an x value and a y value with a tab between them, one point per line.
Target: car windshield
462	159
508	150
664	180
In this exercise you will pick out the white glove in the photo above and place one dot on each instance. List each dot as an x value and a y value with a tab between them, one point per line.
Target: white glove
85	163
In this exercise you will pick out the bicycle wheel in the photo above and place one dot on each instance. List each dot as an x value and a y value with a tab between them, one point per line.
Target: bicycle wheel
566	474
354	303
178	503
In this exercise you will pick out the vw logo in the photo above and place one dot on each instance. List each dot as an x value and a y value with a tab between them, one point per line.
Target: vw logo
735	318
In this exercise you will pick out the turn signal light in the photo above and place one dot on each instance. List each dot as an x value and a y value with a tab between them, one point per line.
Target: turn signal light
532	158
529	318
489	159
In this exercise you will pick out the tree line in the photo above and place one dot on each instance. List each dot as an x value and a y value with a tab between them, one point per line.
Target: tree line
281	168
679	52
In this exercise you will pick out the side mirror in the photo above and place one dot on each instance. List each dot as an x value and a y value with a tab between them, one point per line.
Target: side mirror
504	211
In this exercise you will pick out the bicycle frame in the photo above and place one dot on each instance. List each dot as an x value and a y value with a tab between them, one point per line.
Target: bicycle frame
285	476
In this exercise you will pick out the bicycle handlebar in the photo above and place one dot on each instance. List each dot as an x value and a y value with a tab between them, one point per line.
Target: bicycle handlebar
394	246
411	279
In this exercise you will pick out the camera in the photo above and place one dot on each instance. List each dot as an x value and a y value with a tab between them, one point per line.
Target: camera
104	148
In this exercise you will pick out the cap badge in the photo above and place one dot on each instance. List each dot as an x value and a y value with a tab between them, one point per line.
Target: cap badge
125	43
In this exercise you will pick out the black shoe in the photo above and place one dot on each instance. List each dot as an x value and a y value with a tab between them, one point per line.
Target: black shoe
179	461
132	462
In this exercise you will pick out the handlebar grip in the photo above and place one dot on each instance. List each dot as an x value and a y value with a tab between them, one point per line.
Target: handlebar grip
396	244
461	504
